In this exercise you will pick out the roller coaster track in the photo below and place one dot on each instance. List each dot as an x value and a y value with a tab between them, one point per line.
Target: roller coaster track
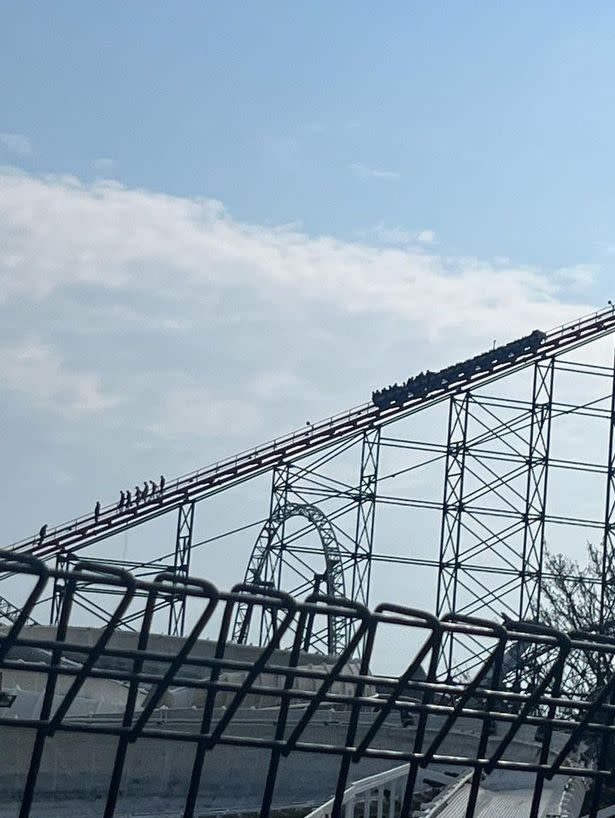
86	530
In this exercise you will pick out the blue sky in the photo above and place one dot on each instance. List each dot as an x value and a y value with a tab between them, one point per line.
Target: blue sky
218	220
495	120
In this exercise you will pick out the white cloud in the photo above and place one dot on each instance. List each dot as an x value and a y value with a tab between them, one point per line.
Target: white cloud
578	277
271	385
401	236
38	372
16	143
426	236
104	164
373	173
197	306
101	318
391	235
189	410
57	232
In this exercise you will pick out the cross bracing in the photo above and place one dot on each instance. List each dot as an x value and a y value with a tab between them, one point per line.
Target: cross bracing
495	463
479	726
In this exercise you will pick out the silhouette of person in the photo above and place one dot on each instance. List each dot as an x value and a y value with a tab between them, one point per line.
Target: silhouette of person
128	498
42	533
137	495
97	511
120	505
145	491
153	487
162	481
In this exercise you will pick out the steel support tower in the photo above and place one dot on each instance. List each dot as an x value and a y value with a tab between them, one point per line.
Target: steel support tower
181	567
491	506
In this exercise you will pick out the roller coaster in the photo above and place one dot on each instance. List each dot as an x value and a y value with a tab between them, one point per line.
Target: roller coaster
497	462
428	381
291	457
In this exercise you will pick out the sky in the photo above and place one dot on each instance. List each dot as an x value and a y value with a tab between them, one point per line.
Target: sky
218	221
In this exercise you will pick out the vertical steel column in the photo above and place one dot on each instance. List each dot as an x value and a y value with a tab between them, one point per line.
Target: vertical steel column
366	517
265	567
62	564
452	512
607	609
536	492
275	545
181	567
280	487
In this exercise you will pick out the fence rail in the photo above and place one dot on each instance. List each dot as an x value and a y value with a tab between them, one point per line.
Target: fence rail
342	710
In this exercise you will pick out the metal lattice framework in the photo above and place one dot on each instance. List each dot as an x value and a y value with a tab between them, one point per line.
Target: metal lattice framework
507	465
492	520
608	543
271	554
481	725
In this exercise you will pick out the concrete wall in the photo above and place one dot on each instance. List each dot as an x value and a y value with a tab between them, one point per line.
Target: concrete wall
157	771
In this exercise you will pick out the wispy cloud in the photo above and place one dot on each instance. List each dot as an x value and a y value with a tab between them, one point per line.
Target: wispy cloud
37	371
209	327
400	236
16	143
426	236
366	172
190	409
104	164
578	277
58	232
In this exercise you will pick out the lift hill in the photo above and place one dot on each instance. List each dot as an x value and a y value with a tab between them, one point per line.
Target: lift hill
85	530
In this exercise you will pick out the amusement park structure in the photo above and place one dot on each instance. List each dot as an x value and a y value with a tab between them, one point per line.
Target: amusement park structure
497	463
275	695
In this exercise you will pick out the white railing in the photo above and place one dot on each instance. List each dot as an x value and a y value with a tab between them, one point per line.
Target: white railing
368	791
588	318
384	793
298	436
358	415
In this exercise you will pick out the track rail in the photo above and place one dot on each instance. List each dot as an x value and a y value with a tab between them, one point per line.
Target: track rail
86	530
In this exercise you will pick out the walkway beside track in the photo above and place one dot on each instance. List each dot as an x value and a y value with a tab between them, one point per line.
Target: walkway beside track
85	530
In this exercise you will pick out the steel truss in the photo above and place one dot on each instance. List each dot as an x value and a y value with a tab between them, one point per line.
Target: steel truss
536	492
509	536
452	511
366	516
117	517
497	728
92	602
493	512
346	547
490	520
607	614
181	567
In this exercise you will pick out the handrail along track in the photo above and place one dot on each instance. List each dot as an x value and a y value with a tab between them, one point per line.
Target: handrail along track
194	486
